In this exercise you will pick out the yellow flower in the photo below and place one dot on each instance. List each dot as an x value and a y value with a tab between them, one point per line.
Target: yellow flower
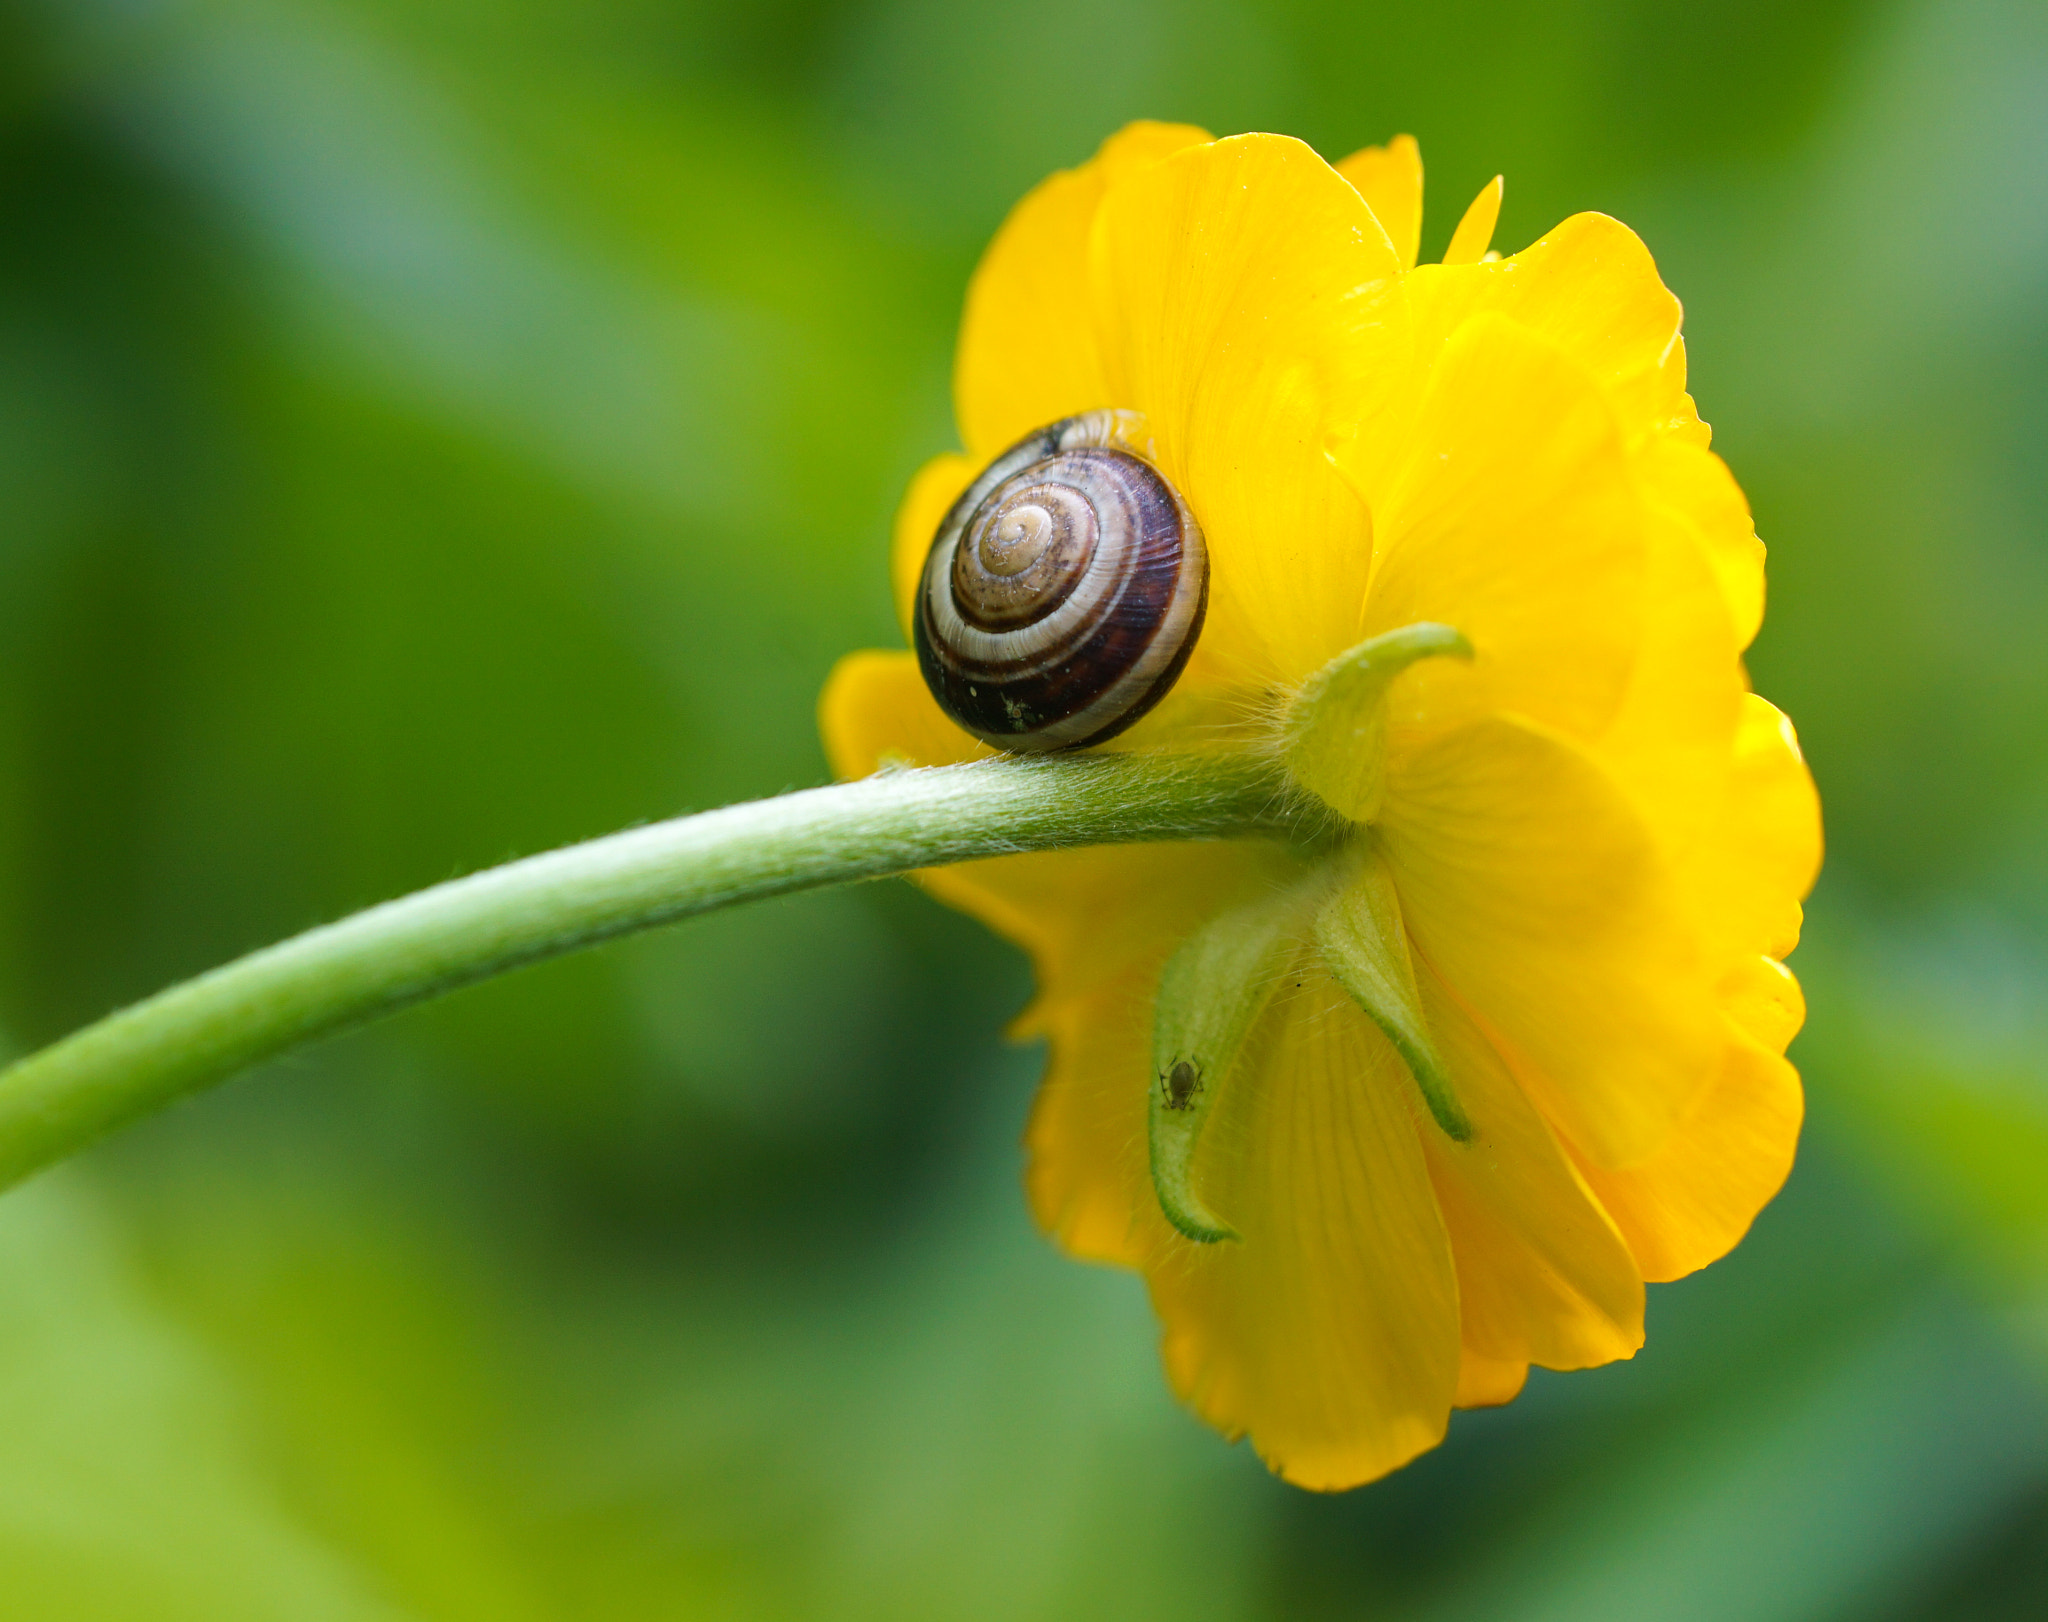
1516	1044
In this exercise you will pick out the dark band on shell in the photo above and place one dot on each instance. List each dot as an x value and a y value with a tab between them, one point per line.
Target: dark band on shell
1063	593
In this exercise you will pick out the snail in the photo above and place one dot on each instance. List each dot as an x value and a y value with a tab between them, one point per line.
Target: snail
1063	592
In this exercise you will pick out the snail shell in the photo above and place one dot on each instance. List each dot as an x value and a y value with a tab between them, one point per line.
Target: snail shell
1063	592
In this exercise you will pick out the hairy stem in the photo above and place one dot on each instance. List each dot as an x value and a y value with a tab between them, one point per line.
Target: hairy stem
55	1102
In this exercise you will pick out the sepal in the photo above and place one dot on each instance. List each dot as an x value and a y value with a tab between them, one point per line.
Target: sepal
1211	994
1364	945
1333	739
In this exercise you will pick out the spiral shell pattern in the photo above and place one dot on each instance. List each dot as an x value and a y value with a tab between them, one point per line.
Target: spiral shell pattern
1064	591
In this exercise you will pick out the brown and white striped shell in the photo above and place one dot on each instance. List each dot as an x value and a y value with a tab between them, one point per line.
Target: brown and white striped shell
1063	592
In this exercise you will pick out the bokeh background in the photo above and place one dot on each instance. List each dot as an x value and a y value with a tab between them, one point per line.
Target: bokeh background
435	430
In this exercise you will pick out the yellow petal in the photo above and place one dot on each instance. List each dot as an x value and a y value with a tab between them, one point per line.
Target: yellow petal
1486	1382
876	711
1474	234
1694	486
1671	743
1389	178
1329	1332
1654	401
1765	851
1027	345
1543	1275
1510	515
1762	997
1086	1170
1531	885
1696	1198
933	490
1591	287
1248	303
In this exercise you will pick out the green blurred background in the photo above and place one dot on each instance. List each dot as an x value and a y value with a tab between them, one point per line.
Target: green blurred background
434	430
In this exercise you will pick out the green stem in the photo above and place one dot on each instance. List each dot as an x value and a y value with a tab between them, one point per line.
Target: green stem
57	1101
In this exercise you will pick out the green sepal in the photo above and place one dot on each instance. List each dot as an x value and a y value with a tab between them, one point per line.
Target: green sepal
1211	994
1333	737
1365	947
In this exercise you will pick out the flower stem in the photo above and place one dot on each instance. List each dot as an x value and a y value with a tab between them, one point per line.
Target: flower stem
57	1101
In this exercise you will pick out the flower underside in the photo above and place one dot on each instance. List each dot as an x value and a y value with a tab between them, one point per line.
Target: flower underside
1389	1116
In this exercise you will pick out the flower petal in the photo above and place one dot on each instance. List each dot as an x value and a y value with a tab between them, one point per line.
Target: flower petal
1694	486
933	490
1329	1333
1654	402
1510	516
1765	853
1389	178
1086	1172
1692	1202
1543	1275
1474	234
1671	741
1762	997
876	711
1248	303
1589	286
1486	1382
1027	346
1531	885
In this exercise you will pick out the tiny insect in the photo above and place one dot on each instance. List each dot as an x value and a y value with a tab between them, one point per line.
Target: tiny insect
1182	1082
